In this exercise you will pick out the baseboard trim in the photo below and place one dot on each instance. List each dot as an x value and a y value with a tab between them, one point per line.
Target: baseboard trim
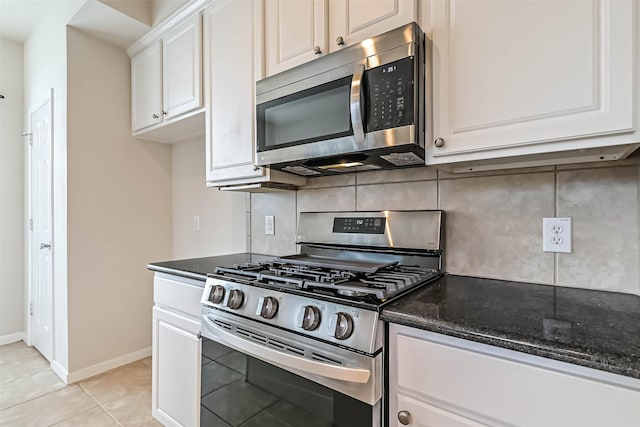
11	338
60	371
107	365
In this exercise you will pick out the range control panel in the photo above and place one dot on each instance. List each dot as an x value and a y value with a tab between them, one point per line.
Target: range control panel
359	225
390	95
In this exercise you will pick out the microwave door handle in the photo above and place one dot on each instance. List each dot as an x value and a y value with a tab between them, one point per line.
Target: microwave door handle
266	354
355	104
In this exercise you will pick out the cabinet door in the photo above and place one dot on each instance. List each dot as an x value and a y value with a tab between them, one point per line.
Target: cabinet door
177	352
293	31
524	77
356	20
230	93
182	66
422	414
146	87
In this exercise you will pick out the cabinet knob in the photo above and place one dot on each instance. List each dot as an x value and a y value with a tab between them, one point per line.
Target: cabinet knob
164	113
404	417
439	142
256	167
317	50
340	41
155	116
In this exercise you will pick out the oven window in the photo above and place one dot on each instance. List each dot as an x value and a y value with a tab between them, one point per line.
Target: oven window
239	390
314	114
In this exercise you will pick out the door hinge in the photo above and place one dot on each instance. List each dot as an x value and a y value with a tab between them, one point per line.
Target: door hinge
31	224
28	135
30	309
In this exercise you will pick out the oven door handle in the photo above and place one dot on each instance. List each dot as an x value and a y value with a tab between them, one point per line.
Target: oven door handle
266	354
355	104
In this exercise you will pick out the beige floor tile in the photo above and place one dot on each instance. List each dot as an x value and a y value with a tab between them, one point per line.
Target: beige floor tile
24	375
95	417
48	409
132	411
147	361
128	382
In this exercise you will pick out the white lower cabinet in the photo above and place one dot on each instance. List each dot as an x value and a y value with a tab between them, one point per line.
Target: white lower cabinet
177	352
441	381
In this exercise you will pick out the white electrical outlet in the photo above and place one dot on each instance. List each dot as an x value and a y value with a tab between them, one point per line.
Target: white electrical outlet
269	225
556	235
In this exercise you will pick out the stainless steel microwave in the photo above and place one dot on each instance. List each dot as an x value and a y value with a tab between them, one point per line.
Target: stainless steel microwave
361	108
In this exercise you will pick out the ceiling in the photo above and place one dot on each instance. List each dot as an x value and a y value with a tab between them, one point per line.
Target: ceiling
19	17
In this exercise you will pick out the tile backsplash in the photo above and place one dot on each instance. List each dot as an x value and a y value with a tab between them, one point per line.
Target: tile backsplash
493	219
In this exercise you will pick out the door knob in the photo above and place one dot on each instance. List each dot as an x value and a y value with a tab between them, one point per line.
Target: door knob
340	41
45	245
404	417
439	142
317	50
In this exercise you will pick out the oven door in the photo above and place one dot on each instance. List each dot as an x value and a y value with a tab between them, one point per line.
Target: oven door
245	381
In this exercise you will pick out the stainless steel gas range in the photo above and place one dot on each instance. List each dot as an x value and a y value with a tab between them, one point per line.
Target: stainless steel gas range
302	333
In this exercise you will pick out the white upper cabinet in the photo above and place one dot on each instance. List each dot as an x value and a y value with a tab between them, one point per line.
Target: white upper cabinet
182	65
351	21
146	87
232	66
514	78
297	30
166	81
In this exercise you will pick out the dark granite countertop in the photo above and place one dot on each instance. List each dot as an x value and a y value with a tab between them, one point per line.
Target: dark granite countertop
600	330
198	268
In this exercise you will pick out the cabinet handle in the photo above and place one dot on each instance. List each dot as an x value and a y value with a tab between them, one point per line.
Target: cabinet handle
164	113
404	417
439	142
256	167
155	116
340	41
317	50
199	335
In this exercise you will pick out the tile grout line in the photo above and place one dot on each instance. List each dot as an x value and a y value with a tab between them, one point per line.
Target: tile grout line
99	405
36	397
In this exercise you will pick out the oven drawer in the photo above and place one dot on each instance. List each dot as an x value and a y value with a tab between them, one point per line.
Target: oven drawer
179	294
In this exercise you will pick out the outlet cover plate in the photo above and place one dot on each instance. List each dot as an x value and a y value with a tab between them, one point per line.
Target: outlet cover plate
556	235
269	225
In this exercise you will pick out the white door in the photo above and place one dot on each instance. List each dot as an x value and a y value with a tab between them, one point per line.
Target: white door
146	87
182	68
41	277
295	33
177	352
351	21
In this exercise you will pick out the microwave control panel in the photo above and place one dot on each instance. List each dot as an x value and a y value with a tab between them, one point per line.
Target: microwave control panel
390	95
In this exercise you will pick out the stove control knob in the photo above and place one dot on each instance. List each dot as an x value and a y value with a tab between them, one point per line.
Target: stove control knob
234	299
342	326
310	318
217	294
267	307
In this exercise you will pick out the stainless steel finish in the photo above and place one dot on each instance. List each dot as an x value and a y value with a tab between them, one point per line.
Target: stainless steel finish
290	313
267	307
404	417
439	142
234	299
45	245
155	116
340	41
337	368
342	326
311	318
333	263
317	50
355	104
373	140
419	230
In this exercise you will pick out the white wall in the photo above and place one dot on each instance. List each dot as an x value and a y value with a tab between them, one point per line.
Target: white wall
45	67
222	214
11	193
119	208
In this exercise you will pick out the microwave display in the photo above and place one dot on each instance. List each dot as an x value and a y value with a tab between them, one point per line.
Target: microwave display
390	95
